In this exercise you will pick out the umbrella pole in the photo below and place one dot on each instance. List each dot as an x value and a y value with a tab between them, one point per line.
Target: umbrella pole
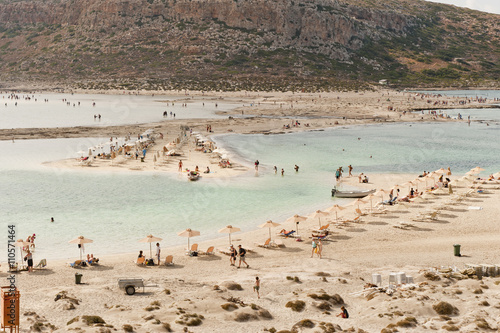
150	251
269	232
336	216
319	220
188	245
229	238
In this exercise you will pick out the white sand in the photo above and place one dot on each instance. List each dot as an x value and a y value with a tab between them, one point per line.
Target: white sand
351	254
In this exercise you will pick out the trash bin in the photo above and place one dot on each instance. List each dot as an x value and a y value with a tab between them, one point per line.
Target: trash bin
78	278
456	248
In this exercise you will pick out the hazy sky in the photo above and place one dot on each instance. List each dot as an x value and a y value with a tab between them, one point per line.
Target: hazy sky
491	6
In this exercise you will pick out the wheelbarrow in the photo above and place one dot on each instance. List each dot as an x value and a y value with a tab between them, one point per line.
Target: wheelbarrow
131	284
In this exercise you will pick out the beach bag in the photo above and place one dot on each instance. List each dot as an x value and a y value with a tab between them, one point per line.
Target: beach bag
194	254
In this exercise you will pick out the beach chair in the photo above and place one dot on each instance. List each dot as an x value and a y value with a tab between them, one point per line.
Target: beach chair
77	263
357	219
288	234
277	243
359	212
140	261
426	217
265	244
193	251
13	267
41	264
169	260
209	251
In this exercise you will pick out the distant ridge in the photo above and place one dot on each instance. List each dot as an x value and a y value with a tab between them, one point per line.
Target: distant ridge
247	44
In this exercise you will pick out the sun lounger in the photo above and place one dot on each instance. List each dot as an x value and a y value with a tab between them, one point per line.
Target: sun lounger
357	219
194	249
41	264
426	217
288	234
141	261
78	263
209	251
359	212
169	260
390	202
277	243
265	244
323	228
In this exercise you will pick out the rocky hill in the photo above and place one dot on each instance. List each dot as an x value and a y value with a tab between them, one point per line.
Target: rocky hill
246	44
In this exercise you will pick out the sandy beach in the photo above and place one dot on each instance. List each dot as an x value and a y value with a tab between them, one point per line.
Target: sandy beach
298	293
206	287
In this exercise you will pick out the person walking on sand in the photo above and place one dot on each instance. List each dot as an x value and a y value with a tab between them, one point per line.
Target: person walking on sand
242	253
233	253
350	170
319	248
158	250
256	287
180	166
314	247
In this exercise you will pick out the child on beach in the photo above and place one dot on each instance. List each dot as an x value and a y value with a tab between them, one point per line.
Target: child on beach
256	287
344	313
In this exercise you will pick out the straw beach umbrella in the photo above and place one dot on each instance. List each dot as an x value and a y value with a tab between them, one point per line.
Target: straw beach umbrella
336	209
358	202
269	224
318	214
381	192
229	230
80	240
477	170
371	196
150	239
188	233
297	219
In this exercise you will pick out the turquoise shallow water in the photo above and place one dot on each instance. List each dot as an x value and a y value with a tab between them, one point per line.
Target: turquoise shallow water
117	209
114	109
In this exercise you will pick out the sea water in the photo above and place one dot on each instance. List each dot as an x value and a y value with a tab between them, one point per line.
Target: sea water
116	209
67	110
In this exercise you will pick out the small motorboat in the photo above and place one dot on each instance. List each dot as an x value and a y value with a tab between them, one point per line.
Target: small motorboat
193	175
351	194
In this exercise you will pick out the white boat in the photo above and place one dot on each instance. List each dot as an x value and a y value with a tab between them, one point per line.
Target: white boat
351	194
193	175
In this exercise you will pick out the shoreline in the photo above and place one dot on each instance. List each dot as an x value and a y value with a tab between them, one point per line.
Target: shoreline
382	105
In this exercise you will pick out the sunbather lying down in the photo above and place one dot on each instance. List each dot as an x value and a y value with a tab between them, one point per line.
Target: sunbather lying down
283	232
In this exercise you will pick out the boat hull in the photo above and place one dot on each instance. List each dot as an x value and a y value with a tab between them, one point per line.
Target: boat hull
351	194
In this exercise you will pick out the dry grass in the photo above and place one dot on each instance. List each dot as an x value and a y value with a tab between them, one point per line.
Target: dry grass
229	306
445	308
297	305
243	316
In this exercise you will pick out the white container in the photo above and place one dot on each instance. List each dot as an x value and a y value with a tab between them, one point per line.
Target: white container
409	279
400	278
377	279
489	270
392	278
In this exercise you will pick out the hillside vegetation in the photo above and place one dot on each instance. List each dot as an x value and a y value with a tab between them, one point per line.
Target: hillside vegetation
247	44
